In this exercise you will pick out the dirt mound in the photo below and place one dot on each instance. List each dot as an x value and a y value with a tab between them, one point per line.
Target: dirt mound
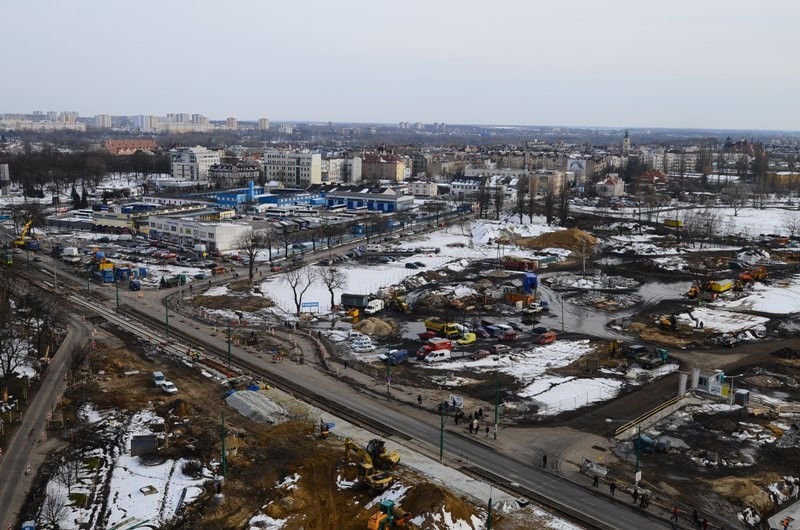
744	491
430	499
787	353
656	335
571	239
241	303
376	327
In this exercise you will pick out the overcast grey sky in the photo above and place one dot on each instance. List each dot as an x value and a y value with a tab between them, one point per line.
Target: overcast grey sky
673	63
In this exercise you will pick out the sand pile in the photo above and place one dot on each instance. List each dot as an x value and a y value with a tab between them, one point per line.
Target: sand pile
375	327
431	502
571	239
743	491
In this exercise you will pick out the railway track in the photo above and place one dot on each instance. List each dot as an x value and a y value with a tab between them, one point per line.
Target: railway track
146	326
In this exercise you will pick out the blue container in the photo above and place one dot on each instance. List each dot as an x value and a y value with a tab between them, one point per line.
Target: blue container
142	272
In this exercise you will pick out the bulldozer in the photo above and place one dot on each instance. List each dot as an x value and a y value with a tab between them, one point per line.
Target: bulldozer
367	474
381	456
389	515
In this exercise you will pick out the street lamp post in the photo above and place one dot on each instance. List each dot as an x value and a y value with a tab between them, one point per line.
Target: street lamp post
116	288
166	316
637	476
496	403
229	347
442	409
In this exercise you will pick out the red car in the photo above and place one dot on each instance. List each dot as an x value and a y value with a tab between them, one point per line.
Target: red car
428	335
480	354
508	335
545	338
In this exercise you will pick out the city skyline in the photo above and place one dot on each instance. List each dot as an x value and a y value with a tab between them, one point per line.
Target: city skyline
616	65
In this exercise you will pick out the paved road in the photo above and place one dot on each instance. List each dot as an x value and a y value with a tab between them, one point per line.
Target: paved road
22	449
423	429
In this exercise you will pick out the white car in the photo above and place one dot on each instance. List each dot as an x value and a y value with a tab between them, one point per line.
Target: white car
364	348
169	387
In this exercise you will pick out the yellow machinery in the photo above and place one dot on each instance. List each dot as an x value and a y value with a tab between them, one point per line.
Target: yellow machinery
376	480
669	322
381	456
23	235
388	516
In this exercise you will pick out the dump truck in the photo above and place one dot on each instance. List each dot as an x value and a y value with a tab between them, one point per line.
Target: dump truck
659	357
721	286
354	301
451	330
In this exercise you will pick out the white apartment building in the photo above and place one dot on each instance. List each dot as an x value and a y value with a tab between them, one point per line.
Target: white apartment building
294	169
189	232
340	170
263	124
192	164
102	121
421	188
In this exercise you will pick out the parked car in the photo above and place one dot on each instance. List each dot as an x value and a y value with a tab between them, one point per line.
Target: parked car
515	326
540	329
508	335
276	268
428	335
419	264
364	348
411	266
481	333
499	349
385	259
467	339
169	387
480	354
545	338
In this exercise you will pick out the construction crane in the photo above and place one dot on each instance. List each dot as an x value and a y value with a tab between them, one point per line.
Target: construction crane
388	516
367	474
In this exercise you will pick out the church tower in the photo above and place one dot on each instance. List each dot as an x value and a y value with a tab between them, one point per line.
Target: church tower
626	144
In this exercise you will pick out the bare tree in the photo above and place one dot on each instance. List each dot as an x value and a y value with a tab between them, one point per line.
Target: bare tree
54	509
75	358
299	280
736	195
499	199
333	278
522	189
549	206
252	244
68	474
13	350
791	222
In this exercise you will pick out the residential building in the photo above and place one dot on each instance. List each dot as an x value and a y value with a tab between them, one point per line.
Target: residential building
129	146
263	124
232	123
421	188
191	164
102	121
340	170
611	186
296	169
379	167
231	175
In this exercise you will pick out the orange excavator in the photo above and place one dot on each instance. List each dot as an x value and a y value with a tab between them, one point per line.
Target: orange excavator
752	275
388	516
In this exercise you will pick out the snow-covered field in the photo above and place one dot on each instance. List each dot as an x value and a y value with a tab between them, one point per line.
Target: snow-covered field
721	321
774	299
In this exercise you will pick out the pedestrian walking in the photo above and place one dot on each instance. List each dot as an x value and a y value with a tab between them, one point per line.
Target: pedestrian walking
645	502
674	514
487	431
419	401
544	461
635	495
705	523
613	488
475	425
456	417
695	517
480	413
596	481
345	365
469	426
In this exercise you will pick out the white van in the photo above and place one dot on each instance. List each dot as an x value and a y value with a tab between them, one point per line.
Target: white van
437	356
373	307
373	247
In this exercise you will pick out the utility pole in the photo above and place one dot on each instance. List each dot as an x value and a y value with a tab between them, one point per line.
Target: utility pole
166	315
489	514
116	287
442	408
88	280
229	347
496	407
223	458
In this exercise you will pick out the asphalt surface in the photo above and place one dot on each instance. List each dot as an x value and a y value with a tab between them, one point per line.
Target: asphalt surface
22	449
419	428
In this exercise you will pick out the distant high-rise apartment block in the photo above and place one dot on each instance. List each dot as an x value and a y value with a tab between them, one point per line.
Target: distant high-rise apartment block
232	123
285	129
102	121
263	124
199	119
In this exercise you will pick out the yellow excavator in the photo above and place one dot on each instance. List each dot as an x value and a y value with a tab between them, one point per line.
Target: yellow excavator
23	235
388	516
382	457
367	474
